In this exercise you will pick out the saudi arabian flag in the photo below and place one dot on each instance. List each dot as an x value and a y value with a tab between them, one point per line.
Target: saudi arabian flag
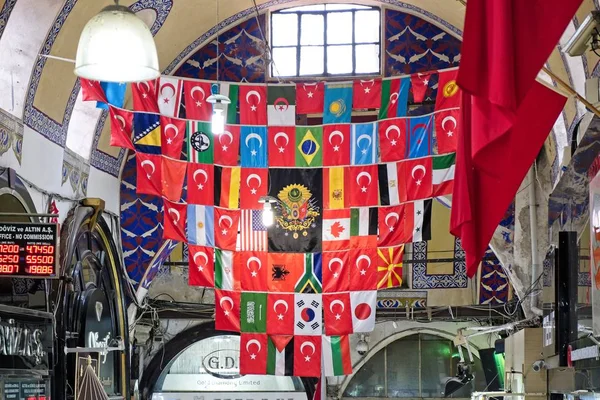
336	355
280	356
225	278
443	174
281	105
231	91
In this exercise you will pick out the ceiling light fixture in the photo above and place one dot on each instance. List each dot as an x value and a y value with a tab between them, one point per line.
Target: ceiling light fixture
268	216
219	101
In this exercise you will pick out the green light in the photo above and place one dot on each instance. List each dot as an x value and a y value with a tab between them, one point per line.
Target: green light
499	359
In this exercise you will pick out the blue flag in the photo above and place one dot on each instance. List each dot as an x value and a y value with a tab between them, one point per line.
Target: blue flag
253	146
338	103
402	109
200	225
363	148
146	133
419	142
115	94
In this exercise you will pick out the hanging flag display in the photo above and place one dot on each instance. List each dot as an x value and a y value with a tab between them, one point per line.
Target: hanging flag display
346	197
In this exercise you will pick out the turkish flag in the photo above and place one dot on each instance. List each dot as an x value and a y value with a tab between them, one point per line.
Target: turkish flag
200	184
173	134
307	356
254	270
226	228
310	98
196	106
392	139
419	83
448	93
254	184
363	269
447	130
363	182
172	176
92	91
280	313
227	146
121	127
227	310
201	270
366	94
174	218
391	225
507	115
337	314
417	179
253	104
149	170
335	272
282	140
145	95
253	353
336	145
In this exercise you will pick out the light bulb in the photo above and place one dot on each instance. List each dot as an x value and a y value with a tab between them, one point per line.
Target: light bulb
267	215
218	122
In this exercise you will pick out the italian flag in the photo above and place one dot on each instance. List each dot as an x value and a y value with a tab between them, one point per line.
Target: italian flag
225	278
443	174
336	355
280	355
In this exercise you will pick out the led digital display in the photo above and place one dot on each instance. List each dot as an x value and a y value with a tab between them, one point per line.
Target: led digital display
28	250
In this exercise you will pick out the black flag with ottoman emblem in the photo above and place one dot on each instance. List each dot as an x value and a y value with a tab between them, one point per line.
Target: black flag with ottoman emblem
281	105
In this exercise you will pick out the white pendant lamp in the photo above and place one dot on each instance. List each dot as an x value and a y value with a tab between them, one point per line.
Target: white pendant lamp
116	46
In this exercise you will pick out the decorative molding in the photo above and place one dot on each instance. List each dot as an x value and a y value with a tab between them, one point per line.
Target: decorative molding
5	14
422	280
11	135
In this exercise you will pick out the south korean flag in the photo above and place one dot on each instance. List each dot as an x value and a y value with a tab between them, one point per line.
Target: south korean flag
308	314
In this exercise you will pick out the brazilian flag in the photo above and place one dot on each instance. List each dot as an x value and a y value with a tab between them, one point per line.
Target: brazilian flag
309	149
298	211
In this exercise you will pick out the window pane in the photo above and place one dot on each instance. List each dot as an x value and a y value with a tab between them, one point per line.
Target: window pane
367	58
284	61
403	377
369	380
339	28
366	28
330	7
311	31
311	60
285	30
436	360
339	59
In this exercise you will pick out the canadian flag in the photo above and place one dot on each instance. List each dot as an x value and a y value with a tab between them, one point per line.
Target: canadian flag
227	146
253	266
363	269
253	353
175	215
335	271
392	139
336	229
280	313
226	228
227	310
201	266
282	150
173	134
364	304
169	96
200	184
307	356
254	185
337	313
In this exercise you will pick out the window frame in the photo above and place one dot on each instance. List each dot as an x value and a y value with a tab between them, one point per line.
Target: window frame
271	76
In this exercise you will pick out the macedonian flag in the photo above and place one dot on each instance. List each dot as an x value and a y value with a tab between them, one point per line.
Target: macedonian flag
389	267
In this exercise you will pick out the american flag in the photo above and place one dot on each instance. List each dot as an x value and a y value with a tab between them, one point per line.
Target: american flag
253	234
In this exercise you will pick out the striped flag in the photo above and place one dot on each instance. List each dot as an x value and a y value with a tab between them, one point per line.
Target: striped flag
253	234
280	355
443	174
336	355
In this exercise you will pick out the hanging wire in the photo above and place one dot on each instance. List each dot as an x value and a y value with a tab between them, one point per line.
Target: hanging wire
218	49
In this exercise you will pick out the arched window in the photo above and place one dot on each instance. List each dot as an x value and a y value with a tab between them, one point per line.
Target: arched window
411	367
326	40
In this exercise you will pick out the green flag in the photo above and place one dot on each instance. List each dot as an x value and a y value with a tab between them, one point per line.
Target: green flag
253	312
309	152
199	142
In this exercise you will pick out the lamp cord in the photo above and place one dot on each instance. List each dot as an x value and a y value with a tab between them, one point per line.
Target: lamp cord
218	50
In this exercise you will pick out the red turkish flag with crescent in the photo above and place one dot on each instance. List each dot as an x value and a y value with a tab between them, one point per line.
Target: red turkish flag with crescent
121	127
363	182
391	225
253	353
447	128
419	83
227	146
172	176
145	95
336	145
227	310
174	219
392	139
310	98
254	269
92	91
148	175
282	146
196	106
363	269
337	313
307	356
253	104
280	313
226	228
254	184
200	184
201	271
173	134
336	277
417	179
366	94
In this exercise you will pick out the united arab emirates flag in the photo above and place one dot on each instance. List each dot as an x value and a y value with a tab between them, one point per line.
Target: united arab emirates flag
298	211
336	355
443	174
281	105
280	355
